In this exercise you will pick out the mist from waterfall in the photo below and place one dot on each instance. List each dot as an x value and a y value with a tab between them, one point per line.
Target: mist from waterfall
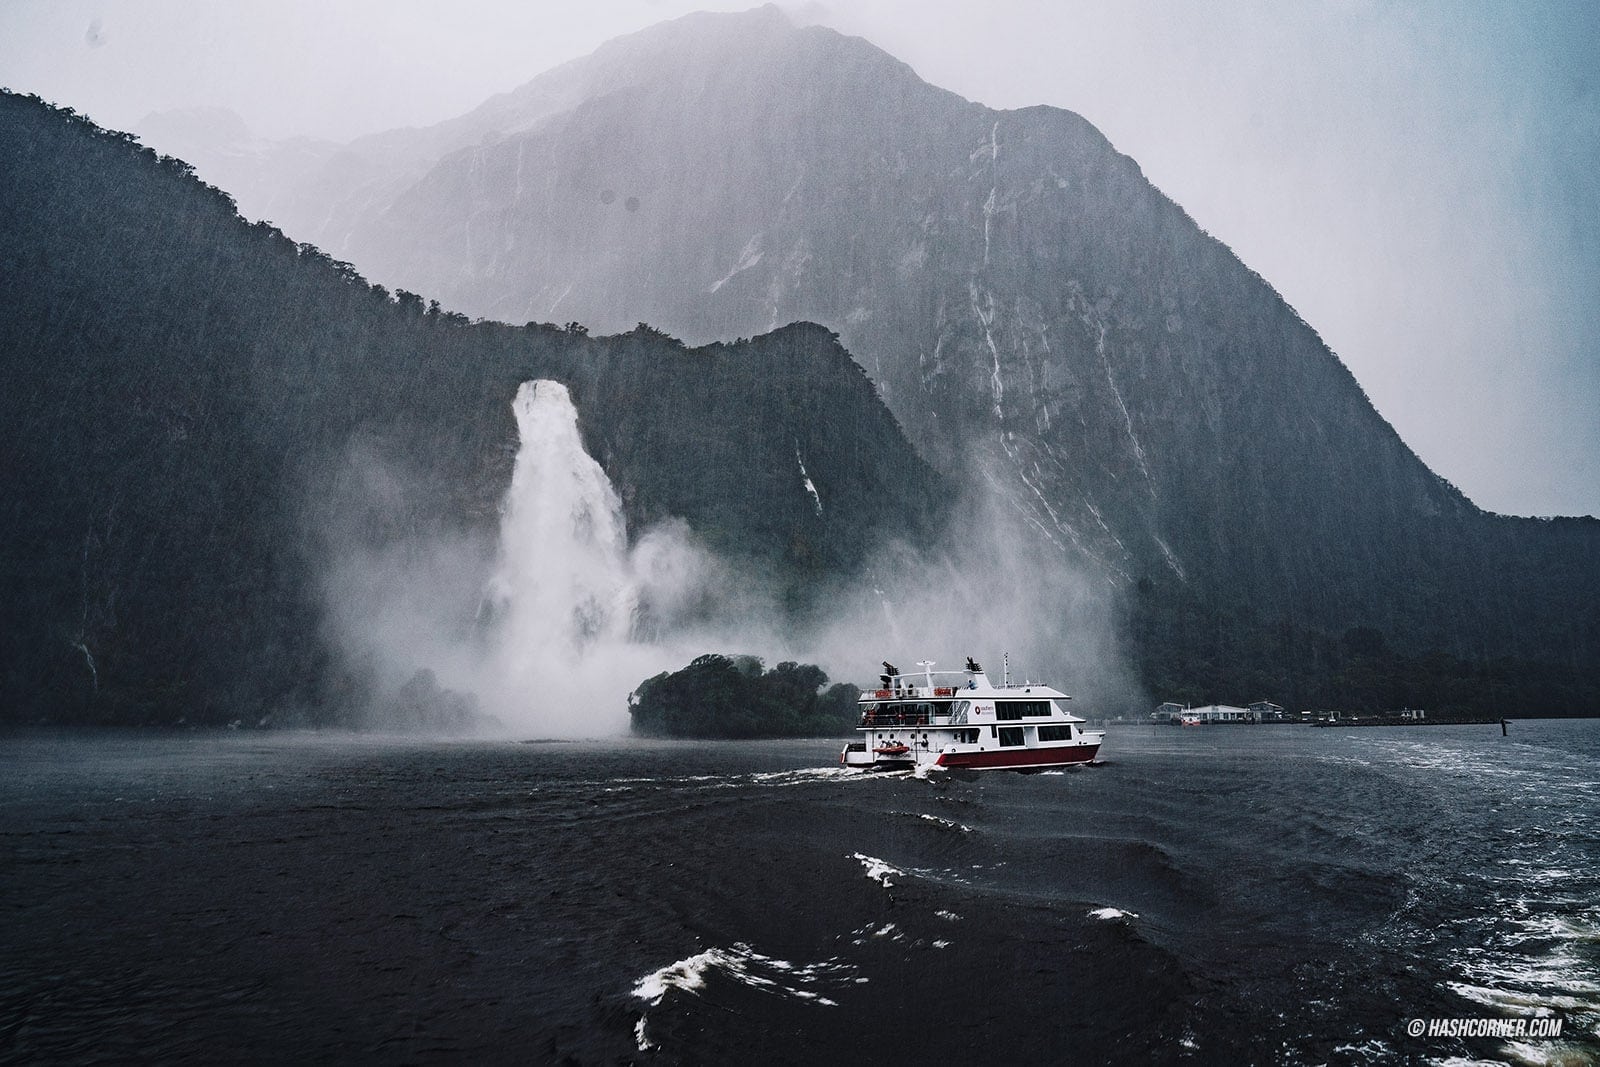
548	628
576	616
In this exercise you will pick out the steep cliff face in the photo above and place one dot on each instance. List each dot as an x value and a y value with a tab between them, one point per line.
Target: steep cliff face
1028	303
186	393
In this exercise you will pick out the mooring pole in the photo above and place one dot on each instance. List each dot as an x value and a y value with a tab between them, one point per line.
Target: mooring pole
1503	724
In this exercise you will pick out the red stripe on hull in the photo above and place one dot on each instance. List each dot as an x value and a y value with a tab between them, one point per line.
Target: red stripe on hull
1019	758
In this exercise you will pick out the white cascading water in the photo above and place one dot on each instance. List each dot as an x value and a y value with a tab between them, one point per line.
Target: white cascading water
562	583
569	595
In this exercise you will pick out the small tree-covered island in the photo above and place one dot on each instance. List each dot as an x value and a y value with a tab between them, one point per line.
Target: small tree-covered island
733	697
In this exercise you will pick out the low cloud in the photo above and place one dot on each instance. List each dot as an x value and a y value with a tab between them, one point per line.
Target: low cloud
546	626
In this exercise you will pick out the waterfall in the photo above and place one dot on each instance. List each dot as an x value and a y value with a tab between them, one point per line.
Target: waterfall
563	597
563	585
578	616
549	628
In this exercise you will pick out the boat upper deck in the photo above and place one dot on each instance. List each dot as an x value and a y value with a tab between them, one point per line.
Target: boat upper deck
901	701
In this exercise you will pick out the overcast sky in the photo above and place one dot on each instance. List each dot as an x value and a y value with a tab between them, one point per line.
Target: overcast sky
1421	181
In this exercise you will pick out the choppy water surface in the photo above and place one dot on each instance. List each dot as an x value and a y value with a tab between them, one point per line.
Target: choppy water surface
1249	894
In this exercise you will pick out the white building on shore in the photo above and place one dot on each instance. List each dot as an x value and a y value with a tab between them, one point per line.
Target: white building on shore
1177	714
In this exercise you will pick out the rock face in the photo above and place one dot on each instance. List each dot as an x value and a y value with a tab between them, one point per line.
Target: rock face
191	399
1029	305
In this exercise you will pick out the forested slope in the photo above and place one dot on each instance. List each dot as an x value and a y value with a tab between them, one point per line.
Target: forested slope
185	392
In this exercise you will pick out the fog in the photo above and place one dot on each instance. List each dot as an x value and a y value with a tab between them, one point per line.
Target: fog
546	627
1421	181
991	578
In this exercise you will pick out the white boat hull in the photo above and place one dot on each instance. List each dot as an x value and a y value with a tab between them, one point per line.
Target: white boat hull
976	726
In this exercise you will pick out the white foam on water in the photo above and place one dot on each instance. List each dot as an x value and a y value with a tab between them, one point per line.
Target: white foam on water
1514	1002
686	974
807	775
948	824
1371	1050
877	869
1343	761
1109	914
1553	927
1531	960
742	964
1528	947
1544	1054
948	916
1527	1054
799	776
889	930
1541	961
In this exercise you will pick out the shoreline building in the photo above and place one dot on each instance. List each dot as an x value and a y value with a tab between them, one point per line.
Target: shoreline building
1178	714
1267	711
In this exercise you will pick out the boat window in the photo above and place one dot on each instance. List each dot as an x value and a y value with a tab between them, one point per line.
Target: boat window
1011	735
1020	709
1055	733
958	711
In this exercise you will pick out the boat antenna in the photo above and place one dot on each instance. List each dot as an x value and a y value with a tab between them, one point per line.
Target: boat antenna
927	669
1005	670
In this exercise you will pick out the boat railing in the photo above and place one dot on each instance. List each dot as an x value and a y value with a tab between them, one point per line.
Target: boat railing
904	718
911	692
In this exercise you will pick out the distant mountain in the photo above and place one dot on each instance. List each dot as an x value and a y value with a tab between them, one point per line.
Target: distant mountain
185	391
229	155
1028	304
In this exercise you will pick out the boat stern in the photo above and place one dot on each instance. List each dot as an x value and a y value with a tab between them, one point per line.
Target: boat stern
856	754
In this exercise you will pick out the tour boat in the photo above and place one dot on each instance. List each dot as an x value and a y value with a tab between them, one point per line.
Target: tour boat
916	721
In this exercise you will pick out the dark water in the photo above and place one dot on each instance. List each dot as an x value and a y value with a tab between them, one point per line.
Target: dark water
1223	895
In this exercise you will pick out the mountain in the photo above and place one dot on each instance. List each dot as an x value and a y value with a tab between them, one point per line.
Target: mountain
232	156
194	401
1030	307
